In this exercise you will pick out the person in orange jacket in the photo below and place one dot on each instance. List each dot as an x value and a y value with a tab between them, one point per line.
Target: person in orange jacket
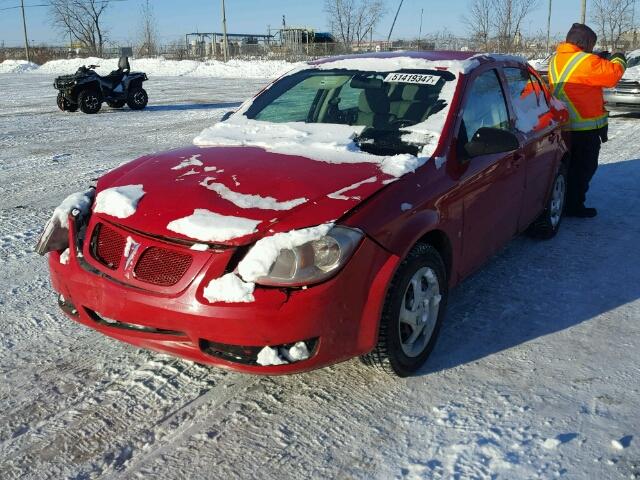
577	77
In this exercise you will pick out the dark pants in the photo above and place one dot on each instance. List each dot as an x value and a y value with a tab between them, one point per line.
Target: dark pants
585	150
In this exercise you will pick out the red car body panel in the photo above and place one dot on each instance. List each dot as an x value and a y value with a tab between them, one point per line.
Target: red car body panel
470	209
246	170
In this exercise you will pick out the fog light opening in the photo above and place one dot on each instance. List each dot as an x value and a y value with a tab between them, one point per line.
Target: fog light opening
67	306
283	354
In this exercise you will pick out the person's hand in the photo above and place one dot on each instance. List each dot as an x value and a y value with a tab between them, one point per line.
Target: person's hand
620	58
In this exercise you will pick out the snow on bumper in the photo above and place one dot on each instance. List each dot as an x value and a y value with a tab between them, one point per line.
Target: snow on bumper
337	319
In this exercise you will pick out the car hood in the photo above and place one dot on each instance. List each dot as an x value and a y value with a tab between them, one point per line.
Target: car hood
281	192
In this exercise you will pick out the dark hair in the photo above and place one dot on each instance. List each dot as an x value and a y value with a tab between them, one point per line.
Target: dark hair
582	36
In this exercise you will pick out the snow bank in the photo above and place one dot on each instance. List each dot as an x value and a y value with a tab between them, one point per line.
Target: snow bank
17	66
208	226
163	67
229	288
120	202
244	200
632	73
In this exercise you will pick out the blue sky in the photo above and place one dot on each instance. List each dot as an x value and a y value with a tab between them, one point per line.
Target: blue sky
175	18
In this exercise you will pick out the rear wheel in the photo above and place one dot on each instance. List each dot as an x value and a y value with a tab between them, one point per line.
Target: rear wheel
547	224
138	99
89	101
116	103
64	104
412	313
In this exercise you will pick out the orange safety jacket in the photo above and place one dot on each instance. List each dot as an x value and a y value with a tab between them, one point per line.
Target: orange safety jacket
577	78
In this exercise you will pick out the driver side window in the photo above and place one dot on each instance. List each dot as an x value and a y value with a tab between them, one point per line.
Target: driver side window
486	107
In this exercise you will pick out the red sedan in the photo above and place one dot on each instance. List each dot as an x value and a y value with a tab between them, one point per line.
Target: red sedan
327	218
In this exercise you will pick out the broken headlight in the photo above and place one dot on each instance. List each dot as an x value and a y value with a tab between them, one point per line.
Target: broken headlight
55	235
313	261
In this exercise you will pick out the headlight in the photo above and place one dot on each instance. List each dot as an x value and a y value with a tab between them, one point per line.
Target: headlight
314	261
55	235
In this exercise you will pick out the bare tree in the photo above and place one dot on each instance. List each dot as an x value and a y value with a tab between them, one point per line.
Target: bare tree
614	18
81	19
352	20
479	22
508	16
148	30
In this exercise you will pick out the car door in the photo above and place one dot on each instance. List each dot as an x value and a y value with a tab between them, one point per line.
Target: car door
491	186
540	137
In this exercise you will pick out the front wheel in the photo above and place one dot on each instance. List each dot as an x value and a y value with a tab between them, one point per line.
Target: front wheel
138	99
412	314
64	104
547	224
89	101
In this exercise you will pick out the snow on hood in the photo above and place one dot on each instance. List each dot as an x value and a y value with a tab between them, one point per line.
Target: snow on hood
275	191
120	202
632	73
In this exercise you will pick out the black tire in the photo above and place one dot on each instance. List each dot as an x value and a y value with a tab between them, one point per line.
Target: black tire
389	355
89	101
64	104
547	225
137	99
116	103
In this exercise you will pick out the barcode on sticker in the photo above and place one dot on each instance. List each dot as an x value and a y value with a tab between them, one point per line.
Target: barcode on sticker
419	78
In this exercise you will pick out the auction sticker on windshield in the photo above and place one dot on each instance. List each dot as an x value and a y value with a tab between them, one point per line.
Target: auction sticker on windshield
419	78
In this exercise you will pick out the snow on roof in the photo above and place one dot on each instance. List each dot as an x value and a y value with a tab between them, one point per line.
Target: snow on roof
208	226
394	63
120	202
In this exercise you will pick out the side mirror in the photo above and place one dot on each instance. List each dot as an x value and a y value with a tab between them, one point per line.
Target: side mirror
227	115
487	141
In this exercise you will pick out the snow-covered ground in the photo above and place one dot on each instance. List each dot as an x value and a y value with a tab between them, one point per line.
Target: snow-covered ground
536	375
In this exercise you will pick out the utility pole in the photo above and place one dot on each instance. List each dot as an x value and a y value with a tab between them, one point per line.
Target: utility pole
24	26
394	21
225	45
420	31
549	27
583	17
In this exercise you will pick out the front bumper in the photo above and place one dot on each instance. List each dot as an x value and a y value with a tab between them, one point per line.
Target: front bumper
339	317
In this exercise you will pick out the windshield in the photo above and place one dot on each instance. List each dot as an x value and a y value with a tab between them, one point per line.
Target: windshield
375	100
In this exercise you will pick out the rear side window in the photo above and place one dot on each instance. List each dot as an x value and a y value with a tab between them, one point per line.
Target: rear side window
485	107
527	98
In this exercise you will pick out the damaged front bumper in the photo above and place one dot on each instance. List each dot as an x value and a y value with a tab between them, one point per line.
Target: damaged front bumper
332	321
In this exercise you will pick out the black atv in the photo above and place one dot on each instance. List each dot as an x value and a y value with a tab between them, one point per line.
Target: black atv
86	90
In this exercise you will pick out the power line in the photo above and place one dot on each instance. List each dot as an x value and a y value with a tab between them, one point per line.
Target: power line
101	2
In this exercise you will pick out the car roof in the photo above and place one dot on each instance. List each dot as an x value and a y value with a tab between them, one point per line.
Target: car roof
469	60
434	56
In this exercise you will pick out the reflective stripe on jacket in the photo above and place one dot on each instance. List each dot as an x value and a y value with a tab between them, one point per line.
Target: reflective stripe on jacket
577	78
